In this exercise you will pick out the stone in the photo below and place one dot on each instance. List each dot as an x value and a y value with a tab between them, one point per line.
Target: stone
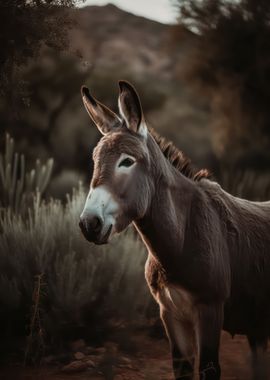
124	360
90	363
79	355
100	350
75	366
94	358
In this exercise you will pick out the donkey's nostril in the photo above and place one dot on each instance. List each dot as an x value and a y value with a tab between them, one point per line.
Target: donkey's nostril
96	224
91	226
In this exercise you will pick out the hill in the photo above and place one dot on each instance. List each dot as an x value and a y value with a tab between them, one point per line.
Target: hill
115	44
107	36
108	44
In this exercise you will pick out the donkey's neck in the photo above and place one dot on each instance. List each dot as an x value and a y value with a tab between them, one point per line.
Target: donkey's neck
163	226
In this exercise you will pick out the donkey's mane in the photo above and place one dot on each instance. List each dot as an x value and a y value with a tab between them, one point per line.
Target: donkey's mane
178	159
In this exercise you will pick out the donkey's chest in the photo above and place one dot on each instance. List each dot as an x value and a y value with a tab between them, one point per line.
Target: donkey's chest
170	296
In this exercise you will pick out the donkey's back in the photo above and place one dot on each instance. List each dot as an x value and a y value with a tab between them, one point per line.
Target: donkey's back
247	230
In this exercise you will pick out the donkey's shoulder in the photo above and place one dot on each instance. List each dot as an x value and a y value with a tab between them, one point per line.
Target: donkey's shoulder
234	207
210	185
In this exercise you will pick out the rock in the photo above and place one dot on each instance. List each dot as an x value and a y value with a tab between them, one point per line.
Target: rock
124	360
76	366
79	355
126	366
90	363
93	358
77	345
100	350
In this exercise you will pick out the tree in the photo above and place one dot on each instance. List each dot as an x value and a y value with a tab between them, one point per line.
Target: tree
230	61
26	26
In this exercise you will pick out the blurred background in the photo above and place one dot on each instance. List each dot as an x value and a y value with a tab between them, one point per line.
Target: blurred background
202	69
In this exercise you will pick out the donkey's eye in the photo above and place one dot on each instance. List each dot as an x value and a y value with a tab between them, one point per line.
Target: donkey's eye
126	162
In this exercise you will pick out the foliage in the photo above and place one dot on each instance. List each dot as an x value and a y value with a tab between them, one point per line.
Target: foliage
26	24
18	186
84	284
231	63
51	279
25	27
53	115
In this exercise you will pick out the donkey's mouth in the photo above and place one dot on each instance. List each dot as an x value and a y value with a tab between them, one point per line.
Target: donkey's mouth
105	238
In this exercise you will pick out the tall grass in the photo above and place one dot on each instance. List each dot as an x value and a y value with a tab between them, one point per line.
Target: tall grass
17	186
83	282
84	286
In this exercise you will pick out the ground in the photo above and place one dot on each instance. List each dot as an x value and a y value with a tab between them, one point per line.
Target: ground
151	362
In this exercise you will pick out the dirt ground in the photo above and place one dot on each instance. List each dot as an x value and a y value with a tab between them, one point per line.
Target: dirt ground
151	362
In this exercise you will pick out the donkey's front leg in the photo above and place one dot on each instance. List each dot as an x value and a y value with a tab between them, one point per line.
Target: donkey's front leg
181	338
210	320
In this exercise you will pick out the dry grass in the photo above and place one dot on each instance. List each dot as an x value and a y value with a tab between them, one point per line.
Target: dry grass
84	283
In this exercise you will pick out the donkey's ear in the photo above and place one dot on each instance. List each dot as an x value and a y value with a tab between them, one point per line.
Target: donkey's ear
130	108
105	119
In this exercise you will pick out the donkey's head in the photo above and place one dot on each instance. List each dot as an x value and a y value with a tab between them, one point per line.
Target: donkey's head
121	186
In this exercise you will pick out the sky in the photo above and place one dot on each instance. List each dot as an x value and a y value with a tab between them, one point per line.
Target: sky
159	10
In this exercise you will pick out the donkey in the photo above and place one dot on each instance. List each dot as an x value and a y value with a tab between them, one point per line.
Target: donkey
208	264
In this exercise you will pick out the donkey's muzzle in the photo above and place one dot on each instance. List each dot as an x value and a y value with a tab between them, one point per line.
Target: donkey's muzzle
91	227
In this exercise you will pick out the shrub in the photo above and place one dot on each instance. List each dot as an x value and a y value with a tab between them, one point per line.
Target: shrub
81	286
230	63
17	185
84	285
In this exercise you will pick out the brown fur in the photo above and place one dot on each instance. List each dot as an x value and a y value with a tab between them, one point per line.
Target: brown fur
208	263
